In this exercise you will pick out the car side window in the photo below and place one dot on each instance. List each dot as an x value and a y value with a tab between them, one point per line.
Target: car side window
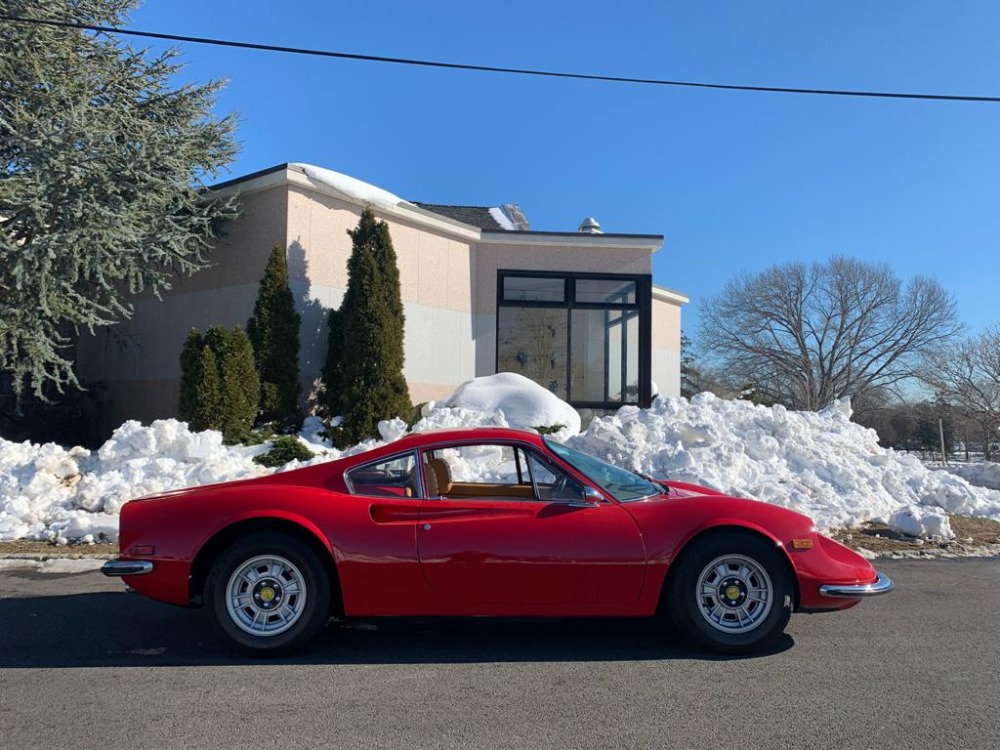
552	483
484	471
391	477
495	472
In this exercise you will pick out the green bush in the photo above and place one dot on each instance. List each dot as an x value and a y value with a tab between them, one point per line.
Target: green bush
274	333
284	448
219	384
363	375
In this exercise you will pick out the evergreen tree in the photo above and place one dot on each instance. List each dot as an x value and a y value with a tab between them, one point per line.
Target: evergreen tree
190	375
274	333
240	386
101	166
365	363
332	387
219	384
208	409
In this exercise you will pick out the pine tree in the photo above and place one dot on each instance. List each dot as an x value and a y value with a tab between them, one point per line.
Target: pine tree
274	333
102	158
365	364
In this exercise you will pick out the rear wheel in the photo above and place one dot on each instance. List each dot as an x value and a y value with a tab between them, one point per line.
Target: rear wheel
732	593
268	593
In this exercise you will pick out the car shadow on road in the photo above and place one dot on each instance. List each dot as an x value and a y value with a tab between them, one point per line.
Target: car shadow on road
118	629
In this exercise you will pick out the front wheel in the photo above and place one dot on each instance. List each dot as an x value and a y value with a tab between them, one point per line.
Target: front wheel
731	594
268	593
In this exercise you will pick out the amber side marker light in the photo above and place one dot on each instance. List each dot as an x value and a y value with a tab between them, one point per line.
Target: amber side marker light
802	544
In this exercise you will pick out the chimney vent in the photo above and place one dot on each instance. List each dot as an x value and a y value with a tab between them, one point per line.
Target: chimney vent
589	226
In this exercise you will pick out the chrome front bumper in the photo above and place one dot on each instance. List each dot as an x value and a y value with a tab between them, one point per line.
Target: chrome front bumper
127	567
882	585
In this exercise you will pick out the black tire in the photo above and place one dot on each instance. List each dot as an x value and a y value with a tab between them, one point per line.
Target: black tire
714	596
282	600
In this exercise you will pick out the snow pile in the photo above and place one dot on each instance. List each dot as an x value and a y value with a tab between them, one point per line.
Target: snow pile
49	492
351	187
818	463
523	402
985	474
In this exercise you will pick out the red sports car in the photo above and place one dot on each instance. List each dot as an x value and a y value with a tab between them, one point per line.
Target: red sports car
486	521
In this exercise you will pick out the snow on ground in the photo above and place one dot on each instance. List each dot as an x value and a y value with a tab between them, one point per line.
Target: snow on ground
981	474
820	464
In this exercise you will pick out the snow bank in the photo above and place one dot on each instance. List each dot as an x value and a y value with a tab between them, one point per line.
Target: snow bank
523	402
981	474
49	492
818	463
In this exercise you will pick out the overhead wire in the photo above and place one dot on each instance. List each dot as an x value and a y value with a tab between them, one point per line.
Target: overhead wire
495	68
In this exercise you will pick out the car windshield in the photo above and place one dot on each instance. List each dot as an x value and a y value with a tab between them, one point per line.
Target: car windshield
621	484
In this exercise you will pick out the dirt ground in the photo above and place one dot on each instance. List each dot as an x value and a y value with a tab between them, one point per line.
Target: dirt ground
972	536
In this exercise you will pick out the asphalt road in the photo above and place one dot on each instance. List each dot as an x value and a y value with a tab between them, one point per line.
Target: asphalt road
85	665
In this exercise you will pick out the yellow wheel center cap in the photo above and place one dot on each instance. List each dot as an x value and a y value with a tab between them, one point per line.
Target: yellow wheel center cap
267	594
733	593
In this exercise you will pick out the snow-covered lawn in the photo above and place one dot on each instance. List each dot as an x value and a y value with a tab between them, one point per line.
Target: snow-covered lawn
821	464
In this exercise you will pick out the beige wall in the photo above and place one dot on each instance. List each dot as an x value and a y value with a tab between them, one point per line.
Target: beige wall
666	347
448	284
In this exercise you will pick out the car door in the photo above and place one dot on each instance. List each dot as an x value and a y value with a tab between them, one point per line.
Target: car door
510	528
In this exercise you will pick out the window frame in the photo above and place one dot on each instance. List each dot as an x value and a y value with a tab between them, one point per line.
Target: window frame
413	453
642	308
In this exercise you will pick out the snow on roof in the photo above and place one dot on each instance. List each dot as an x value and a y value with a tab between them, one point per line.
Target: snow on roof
351	186
501	218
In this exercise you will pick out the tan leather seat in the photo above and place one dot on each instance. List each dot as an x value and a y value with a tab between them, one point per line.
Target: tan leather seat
438	477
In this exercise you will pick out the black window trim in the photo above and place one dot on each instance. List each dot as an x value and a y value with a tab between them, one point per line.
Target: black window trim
643	305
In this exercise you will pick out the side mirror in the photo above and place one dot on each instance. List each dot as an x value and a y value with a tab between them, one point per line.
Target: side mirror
592	496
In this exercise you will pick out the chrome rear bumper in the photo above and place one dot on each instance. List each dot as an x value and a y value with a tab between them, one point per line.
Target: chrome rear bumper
882	585
127	567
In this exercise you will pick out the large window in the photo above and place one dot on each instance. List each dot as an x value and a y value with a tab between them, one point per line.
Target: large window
585	337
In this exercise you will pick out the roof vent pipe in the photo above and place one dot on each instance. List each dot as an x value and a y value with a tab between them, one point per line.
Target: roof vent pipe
589	226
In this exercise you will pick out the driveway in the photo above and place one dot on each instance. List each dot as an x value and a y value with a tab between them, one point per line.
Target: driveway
88	666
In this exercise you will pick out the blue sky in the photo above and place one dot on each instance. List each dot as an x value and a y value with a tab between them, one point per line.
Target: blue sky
734	181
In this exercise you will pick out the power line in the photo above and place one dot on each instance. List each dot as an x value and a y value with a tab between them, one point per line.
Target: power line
494	69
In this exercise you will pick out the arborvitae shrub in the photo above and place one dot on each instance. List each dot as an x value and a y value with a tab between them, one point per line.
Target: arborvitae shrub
219	384
364	371
273	330
284	448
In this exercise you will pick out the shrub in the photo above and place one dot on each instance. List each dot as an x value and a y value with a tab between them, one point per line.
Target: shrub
284	448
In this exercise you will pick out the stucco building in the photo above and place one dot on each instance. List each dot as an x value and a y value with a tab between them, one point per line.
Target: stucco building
483	293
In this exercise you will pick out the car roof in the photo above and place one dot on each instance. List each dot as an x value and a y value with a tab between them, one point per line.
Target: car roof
453	435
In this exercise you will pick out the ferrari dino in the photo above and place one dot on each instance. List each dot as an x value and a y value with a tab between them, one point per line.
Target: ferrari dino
484	522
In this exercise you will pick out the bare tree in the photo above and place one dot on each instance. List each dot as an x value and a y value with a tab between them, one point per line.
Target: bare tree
805	335
967	375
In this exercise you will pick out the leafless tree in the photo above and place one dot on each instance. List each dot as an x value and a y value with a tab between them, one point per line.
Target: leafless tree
804	335
967	375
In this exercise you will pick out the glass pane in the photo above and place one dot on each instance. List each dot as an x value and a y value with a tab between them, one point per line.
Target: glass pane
632	358
615	329
533	289
613	291
532	342
589	364
477	472
552	483
392	478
